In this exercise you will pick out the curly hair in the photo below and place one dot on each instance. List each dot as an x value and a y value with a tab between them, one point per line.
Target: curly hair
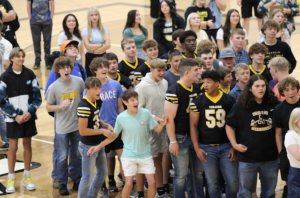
247	98
98	62
256	49
286	82
61	62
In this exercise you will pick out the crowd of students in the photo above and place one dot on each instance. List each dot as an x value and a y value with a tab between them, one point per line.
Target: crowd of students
168	104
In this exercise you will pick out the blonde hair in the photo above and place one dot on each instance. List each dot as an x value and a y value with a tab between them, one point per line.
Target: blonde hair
295	116
194	3
158	63
240	66
188	23
125	41
280	63
275	11
89	23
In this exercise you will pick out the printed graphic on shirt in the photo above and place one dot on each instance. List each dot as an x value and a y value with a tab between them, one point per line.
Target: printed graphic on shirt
255	124
202	15
70	93
108	95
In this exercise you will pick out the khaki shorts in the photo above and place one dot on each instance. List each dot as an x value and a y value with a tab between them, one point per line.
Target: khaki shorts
133	166
158	142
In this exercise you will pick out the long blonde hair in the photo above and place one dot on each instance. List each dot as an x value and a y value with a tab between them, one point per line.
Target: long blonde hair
188	22
89	23
194	3
295	116
275	11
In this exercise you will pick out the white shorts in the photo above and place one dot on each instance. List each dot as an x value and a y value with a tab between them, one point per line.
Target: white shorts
133	166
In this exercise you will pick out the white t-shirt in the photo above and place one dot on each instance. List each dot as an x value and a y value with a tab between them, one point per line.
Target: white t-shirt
292	137
62	37
220	35
8	47
97	38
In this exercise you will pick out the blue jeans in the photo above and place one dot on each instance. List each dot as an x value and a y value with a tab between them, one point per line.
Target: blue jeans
56	149
217	159
89	185
3	129
62	158
294	183
268	174
187	159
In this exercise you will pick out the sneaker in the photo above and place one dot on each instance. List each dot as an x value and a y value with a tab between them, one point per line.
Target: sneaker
112	186
104	193
27	182
119	177
146	185
48	65
75	185
4	147
133	193
70	176
37	65
167	195
55	183
160	196
10	188
63	190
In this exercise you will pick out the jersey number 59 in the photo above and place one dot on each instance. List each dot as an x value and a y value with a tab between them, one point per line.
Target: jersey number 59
214	118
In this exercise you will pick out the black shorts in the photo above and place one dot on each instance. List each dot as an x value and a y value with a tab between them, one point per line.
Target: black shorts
247	9
284	165
115	145
24	130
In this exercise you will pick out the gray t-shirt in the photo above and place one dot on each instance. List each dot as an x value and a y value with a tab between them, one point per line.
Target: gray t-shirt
66	120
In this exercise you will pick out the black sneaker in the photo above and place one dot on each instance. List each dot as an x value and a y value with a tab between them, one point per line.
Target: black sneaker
4	147
63	189
119	177
112	187
285	192
146	185
48	65
75	185
37	65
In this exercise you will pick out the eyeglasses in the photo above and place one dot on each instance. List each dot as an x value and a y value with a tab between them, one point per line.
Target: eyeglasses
65	68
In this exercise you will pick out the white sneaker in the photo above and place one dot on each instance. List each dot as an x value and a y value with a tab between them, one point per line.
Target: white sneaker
55	183
27	182
10	188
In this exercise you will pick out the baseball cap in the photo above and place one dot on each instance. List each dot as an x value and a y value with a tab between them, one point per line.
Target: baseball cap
68	42
227	53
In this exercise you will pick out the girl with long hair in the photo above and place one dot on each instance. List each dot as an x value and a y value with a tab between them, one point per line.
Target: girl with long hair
71	32
194	23
135	30
204	12
231	23
95	37
283	34
168	21
251	133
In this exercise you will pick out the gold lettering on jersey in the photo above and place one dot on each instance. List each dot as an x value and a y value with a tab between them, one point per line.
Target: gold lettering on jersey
202	15
96	112
70	95
254	123
216	107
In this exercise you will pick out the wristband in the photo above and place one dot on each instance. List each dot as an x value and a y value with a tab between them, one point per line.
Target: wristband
173	142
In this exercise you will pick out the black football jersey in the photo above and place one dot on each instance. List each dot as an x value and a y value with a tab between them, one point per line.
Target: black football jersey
182	95
201	87
127	69
183	55
265	72
91	111
123	80
142	71
213	112
230	87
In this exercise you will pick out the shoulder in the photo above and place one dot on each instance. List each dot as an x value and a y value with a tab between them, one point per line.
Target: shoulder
127	31
29	72
291	134
105	30
83	103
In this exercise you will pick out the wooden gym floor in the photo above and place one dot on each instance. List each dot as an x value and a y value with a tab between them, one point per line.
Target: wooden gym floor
113	15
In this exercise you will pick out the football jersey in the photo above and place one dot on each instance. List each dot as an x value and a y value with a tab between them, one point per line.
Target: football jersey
182	95
265	72
230	87
213	111
91	111
123	80
183	55
127	69
142	71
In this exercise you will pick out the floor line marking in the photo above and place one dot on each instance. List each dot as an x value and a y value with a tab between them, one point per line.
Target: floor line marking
45	141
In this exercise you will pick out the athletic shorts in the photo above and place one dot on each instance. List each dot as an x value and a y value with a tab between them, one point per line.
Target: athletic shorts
111	154
24	130
284	165
115	145
247	9
133	166
158	142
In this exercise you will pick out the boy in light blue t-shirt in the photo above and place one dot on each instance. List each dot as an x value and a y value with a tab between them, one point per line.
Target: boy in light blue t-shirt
136	156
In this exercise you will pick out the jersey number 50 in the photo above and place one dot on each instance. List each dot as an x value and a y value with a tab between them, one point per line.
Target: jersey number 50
214	118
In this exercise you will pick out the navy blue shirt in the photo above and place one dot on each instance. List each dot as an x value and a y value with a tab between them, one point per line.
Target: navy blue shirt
171	78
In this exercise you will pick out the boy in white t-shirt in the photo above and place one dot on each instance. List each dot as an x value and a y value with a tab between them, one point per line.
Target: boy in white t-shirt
7	46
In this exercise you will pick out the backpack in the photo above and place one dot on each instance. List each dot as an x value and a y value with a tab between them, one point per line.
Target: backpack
15	24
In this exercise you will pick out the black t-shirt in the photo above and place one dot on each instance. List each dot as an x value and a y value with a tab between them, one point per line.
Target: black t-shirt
5	6
213	111
265	72
91	111
182	95
142	71
204	14
127	69
280	49
255	131
281	117
123	80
